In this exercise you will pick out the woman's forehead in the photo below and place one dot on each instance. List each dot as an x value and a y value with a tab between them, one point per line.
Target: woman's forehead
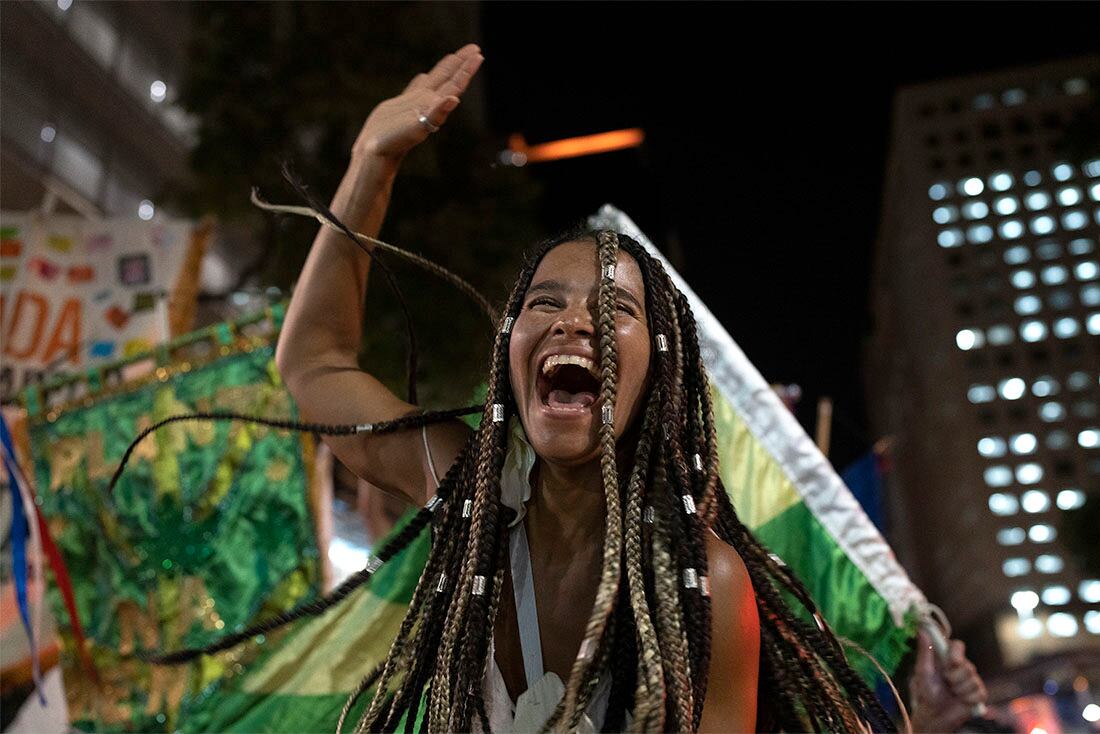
576	265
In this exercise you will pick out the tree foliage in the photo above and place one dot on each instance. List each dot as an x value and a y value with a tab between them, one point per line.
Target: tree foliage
274	82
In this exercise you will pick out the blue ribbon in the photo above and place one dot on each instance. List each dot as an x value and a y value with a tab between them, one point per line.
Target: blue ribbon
19	533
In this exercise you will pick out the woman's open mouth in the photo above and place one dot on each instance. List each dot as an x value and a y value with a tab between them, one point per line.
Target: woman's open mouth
568	383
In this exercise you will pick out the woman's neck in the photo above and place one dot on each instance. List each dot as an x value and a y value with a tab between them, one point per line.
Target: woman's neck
567	503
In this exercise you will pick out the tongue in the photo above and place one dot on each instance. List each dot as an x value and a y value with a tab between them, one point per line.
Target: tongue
559	398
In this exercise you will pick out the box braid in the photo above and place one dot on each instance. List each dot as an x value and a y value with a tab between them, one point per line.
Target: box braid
441	650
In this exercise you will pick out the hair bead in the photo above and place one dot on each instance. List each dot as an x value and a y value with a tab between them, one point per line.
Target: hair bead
609	272
689	504
374	564
691	578
704	586
479	585
364	428
648	515
467	508
442	582
433	503
507	327
608	414
498	412
698	461
662	343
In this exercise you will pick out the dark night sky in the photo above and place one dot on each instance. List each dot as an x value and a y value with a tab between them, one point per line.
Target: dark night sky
766	134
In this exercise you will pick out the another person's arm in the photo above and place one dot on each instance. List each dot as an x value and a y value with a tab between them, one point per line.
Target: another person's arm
317	354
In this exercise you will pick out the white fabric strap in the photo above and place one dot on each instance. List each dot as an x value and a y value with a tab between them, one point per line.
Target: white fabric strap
527	614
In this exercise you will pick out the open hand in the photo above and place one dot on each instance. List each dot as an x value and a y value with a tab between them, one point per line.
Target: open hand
394	126
943	696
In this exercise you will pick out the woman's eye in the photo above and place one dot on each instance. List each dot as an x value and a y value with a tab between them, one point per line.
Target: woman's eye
542	301
626	308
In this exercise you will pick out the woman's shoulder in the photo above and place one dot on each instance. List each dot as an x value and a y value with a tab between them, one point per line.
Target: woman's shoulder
726	570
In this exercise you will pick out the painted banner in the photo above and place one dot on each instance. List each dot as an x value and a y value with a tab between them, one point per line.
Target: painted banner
209	529
75	293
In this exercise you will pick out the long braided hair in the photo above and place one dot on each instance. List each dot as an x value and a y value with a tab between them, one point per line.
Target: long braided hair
651	620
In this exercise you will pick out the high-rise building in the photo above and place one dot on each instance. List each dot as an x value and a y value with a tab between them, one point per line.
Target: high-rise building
985	358
89	122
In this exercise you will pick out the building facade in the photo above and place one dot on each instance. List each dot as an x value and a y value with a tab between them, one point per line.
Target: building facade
985	360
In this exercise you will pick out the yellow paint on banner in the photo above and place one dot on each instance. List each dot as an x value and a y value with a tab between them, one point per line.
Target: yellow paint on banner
60	243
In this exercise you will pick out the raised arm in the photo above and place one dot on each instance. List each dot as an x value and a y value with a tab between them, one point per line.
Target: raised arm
319	344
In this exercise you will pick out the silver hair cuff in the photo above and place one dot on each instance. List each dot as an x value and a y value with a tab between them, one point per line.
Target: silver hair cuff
704	586
507	328
691	578
689	504
374	564
587	648
479	585
364	428
609	272
433	503
498	413
698	461
662	343
467	508
608	414
442	582
648	515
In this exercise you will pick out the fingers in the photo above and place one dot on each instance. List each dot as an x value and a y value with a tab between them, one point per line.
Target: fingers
956	652
442	72
460	80
439	111
926	658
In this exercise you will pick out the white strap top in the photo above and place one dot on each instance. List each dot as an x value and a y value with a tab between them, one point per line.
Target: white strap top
544	689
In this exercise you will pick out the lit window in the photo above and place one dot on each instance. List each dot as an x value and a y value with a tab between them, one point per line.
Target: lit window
146	210
1062	172
1069	196
1094	191
1013	567
1089	438
998	476
983	101
1000	334
975	210
1054	275
991	446
1052	411
1000	181
1042	225
1035	500
47	133
1057	440
1037	200
950	238
1089	591
158	90
1024	600
1023	278
1011	536
1086	409
1077	381
1056	595
971	186
1033	178
1081	246
1092	323
1030	473
1041	533
1075	219
1086	270
1011	229
1049	563
1061	624
944	214
979	233
1011	98
968	339
1023	443
1075	86
937	192
1003	504
1092	168
1066	328
1092	624
1070	499
1027	305
1090	295
1012	388
1006	205
1033	331
1017	255
981	393
1044	386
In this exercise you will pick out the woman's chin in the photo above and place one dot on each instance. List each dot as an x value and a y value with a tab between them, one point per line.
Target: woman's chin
565	448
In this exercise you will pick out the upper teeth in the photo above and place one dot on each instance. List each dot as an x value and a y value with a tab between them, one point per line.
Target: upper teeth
555	360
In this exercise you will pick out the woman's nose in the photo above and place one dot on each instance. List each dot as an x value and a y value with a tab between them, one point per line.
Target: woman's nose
575	321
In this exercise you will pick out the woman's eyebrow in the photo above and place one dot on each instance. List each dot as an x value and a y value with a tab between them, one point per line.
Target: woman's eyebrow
624	293
550	286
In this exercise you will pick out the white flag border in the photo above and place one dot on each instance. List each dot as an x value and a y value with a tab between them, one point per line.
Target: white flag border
776	428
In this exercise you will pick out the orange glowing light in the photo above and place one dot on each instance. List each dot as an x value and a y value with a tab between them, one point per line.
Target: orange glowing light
575	147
